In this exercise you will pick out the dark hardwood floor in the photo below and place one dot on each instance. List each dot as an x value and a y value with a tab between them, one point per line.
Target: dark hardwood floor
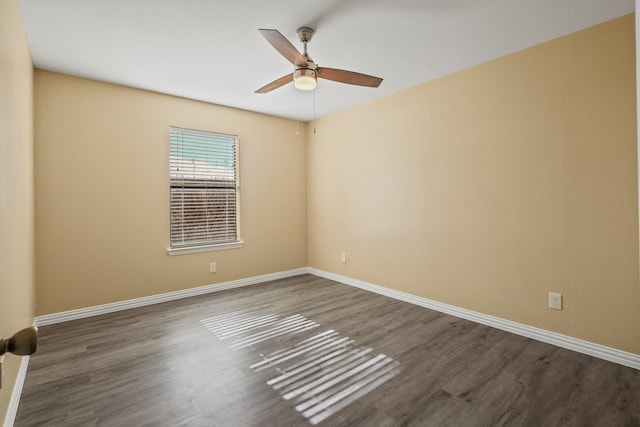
307	350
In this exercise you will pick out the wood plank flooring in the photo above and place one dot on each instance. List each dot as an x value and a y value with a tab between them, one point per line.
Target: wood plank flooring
244	358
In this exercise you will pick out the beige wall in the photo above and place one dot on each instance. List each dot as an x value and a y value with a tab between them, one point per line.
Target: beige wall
489	188
16	186
102	193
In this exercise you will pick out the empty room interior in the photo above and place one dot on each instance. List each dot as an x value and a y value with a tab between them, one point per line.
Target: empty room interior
203	223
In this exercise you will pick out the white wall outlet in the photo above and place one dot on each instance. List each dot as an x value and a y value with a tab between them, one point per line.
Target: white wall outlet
212	268
343	257
555	301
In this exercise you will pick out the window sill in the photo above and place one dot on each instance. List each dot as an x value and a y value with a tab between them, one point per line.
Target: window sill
207	248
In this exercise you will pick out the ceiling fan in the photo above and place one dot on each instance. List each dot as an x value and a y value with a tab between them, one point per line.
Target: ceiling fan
306	71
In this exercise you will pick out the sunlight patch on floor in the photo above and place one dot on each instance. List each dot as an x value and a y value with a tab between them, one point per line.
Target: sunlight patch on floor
321	374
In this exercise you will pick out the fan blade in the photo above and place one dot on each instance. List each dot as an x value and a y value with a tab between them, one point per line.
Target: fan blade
284	46
348	77
276	84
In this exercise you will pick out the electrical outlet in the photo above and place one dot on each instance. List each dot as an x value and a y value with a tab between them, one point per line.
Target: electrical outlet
343	258
212	268
555	301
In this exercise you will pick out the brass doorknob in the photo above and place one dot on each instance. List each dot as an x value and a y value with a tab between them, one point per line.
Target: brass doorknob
22	343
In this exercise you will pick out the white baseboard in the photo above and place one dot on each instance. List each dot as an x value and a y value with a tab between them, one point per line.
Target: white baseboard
596	350
607	353
12	410
65	316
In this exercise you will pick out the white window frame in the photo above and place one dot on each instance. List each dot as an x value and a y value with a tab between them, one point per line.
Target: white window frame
203	168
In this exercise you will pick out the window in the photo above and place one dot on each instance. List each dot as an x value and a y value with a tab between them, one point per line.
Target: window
203	171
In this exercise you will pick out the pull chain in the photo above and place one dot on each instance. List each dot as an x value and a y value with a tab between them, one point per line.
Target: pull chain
297	115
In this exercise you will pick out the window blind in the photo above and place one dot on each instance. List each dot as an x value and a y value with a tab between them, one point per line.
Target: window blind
203	170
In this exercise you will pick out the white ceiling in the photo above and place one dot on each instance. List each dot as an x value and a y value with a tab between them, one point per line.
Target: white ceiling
210	50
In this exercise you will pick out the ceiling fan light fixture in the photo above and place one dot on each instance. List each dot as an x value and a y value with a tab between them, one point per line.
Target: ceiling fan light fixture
306	71
304	79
